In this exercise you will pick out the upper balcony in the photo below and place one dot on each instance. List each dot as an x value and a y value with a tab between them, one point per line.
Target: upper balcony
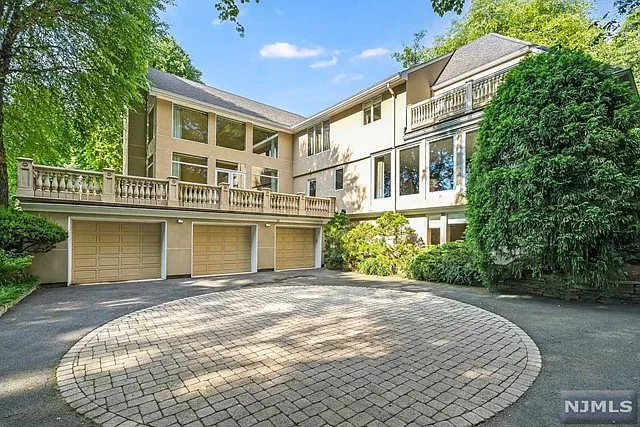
474	95
46	183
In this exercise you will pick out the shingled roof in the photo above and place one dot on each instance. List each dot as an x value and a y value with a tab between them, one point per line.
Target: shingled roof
479	52
219	98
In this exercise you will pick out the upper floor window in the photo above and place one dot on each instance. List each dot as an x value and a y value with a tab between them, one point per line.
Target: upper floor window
318	138
338	181
151	126
372	110
441	165
311	187
382	176
409	172
190	124
231	133
264	178
230	173
265	142
469	147
189	168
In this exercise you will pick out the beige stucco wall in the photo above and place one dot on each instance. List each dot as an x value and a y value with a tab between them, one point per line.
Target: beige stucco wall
166	145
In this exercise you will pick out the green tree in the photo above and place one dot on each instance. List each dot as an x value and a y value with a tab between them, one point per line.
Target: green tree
555	184
170	57
443	6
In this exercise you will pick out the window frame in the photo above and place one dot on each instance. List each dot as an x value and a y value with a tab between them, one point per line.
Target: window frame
173	123
277	178
464	152
276	136
441	138
399	168
370	105
231	173
335	179
315	190
151	123
322	128
206	166
218	116
373	175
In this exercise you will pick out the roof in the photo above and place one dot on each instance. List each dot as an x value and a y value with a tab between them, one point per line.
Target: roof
479	52
219	98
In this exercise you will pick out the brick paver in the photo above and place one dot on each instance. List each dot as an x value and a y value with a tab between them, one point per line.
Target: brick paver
311	355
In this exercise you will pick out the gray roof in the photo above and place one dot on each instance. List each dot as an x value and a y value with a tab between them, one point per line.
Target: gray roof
479	52
219	98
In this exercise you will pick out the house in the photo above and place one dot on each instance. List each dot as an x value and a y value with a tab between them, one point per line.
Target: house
215	183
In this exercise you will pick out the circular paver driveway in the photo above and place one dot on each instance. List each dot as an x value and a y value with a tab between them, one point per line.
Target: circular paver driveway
300	356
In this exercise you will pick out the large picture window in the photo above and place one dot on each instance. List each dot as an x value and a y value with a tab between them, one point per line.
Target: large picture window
230	173
372	110
190	124
409	171
319	138
441	165
264	179
189	168
382	177
265	142
231	133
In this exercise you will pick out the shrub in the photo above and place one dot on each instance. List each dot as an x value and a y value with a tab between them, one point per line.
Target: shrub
334	233
453	262
13	268
554	185
377	266
23	233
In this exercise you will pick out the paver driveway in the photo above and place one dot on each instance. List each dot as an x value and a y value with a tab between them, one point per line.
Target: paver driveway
284	356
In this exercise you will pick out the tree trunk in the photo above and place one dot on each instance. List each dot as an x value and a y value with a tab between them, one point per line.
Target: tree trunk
4	176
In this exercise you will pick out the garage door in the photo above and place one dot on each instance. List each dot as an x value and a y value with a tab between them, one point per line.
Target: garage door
115	251
221	249
295	248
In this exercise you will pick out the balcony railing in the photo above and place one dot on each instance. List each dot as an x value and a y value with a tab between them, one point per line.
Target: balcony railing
474	95
106	187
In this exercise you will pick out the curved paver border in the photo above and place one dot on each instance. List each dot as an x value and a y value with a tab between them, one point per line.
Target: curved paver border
78	400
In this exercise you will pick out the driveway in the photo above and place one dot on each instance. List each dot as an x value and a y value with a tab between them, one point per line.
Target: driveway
582	346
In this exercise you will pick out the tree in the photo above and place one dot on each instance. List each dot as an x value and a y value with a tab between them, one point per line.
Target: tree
170	57
554	188
443	6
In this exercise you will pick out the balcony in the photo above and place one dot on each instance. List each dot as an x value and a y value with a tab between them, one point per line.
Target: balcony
46	183
472	96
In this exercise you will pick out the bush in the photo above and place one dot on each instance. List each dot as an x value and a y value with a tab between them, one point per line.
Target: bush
377	266
24	233
13	268
334	232
453	262
554	185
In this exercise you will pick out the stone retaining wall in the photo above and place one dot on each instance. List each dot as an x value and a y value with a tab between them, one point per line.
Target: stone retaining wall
626	292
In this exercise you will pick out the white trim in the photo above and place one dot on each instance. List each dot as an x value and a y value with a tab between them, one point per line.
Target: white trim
419	145
453	136
163	244
373	157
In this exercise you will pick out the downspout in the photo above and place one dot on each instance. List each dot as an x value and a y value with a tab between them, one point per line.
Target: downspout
393	139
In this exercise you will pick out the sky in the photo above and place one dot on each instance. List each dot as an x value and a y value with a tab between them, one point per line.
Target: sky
303	55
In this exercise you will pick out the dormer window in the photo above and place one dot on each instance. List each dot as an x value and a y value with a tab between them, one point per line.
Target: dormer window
372	110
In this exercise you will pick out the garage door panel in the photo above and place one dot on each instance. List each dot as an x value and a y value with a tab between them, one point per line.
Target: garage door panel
221	249
114	251
295	248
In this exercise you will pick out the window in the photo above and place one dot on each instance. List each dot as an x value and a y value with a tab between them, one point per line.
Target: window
229	173
230	133
265	142
372	110
441	165
264	179
150	166
469	148
151	125
189	168
382	177
190	124
318	138
433	232
409	172
338	181
311	187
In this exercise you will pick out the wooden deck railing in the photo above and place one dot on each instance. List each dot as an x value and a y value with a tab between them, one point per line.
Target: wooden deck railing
474	95
78	186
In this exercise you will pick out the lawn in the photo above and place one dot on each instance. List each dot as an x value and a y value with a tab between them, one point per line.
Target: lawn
11	293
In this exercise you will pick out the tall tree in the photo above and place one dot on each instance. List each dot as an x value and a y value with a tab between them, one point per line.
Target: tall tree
170	57
443	6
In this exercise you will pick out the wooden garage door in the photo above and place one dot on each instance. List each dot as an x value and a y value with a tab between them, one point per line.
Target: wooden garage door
115	251
221	249
295	248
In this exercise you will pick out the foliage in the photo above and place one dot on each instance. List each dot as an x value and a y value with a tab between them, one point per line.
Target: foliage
378	266
334	232
13	268
443	6
228	10
453	262
567	23
555	182
24	233
168	56
390	238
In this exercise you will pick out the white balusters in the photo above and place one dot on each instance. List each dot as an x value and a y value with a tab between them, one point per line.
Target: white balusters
141	191
62	183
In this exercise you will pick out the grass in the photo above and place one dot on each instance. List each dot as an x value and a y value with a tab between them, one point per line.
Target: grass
10	293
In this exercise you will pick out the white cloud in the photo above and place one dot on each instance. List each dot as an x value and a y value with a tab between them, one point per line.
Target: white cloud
325	64
288	50
372	53
346	78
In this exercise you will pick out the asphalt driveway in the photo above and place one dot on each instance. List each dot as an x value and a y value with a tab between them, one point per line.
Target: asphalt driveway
583	346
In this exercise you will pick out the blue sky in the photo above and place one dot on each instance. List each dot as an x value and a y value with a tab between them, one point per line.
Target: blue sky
303	56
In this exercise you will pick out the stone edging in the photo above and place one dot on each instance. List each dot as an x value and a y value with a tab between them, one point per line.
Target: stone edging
76	398
7	307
